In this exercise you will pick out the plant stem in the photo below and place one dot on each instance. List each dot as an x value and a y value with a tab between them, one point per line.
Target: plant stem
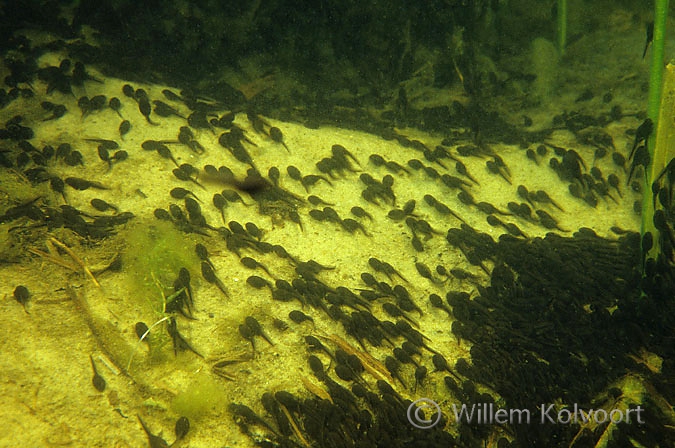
658	153
562	26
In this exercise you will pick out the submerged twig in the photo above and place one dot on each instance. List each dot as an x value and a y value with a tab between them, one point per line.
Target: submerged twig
77	259
53	258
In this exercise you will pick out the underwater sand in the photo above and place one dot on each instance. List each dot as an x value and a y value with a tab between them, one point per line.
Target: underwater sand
47	396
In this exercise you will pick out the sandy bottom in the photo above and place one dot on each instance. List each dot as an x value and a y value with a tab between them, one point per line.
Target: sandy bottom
47	395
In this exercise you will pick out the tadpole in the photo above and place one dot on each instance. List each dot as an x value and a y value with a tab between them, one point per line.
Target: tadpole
98	381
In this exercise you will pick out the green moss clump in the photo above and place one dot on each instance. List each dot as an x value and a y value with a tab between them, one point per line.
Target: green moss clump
203	395
154	255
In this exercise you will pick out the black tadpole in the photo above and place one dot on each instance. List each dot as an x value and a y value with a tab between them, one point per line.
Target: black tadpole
642	134
165	152
650	37
145	108
299	317
124	127
203	254
273	174
258	282
220	203
155	441
115	104
102	206
251	263
182	427
294	173
185	174
184	280
210	276
544	198
83	184
22	295
179	342
393	366
256	329
278	136
181	193
641	157
247	334
461	169
98	381
141	329
57	185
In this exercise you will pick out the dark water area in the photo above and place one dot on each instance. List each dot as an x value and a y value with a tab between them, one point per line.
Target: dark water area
341	224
